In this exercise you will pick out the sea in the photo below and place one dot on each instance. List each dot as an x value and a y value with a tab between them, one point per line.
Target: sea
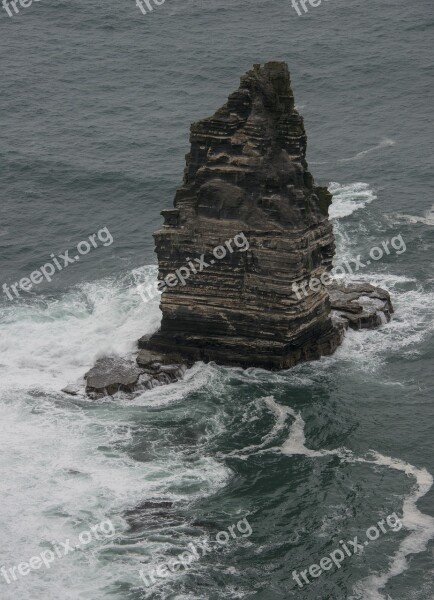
97	99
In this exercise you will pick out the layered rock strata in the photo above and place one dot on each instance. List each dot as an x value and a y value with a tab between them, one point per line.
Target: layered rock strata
247	172
248	193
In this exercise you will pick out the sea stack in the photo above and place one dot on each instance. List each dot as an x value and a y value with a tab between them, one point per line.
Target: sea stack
245	255
247	173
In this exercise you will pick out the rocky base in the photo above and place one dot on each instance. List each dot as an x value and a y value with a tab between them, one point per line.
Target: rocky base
272	355
357	305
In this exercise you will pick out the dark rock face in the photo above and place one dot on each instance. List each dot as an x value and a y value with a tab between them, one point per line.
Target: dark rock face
246	173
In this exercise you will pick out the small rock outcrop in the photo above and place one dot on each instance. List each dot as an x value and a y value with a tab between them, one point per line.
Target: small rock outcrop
360	305
110	375
113	374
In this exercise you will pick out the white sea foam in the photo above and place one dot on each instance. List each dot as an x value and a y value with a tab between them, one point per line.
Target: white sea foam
52	342
413	319
64	467
295	442
412	323
347	198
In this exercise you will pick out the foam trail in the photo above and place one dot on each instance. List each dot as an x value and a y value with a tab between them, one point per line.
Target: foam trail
295	442
281	413
420	524
383	144
428	219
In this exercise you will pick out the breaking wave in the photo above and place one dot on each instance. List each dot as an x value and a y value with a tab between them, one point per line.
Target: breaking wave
347	198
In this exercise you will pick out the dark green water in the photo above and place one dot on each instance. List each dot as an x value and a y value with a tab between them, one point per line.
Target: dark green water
97	100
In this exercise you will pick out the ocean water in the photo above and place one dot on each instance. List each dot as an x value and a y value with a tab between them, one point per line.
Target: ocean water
97	99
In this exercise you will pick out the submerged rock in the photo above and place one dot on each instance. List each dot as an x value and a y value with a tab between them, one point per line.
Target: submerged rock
151	515
248	191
